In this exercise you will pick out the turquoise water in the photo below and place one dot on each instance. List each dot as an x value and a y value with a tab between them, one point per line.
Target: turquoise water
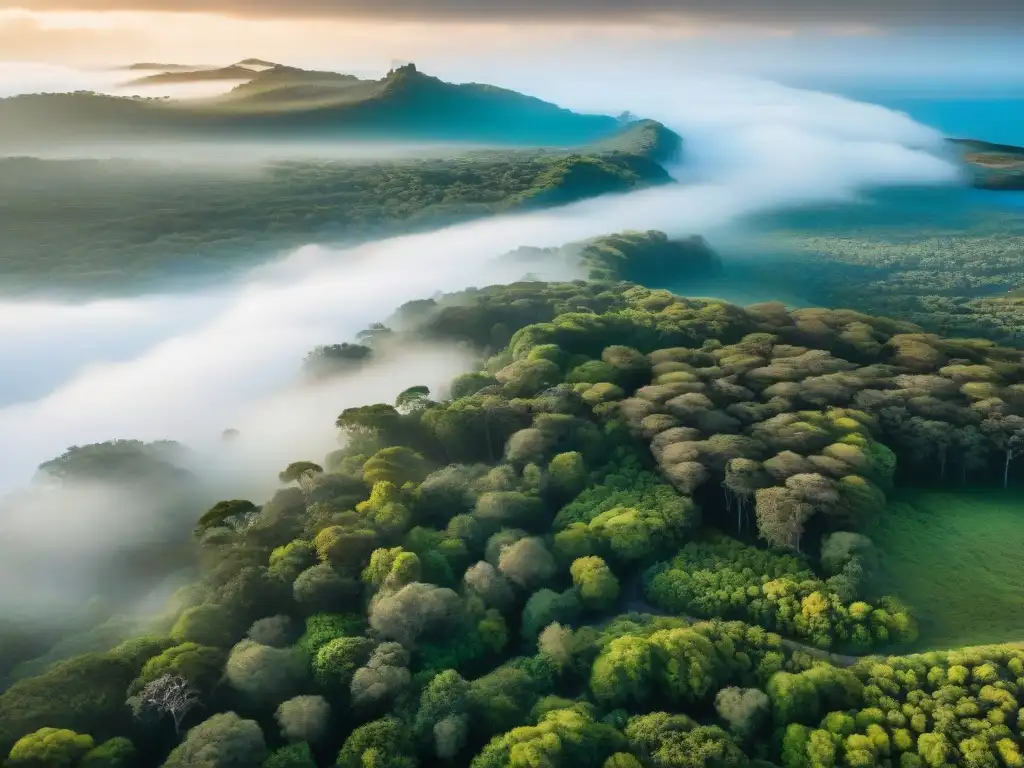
998	118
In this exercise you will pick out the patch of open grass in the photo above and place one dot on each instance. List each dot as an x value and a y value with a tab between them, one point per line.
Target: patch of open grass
958	559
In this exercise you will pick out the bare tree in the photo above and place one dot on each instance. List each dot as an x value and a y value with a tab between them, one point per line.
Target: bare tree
167	695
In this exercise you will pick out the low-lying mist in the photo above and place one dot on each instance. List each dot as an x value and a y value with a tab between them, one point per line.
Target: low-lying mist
23	77
220	156
186	367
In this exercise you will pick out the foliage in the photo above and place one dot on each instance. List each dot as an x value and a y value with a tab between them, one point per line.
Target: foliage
59	748
473	573
721	577
223	741
924	533
140	223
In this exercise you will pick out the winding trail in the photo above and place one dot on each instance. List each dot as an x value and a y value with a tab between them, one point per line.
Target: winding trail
632	600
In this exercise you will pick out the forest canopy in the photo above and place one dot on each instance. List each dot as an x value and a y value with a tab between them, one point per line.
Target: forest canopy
638	535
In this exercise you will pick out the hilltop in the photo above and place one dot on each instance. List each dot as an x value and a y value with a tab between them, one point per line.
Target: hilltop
280	102
992	166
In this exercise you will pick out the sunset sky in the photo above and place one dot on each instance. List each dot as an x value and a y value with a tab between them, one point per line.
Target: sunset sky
777	35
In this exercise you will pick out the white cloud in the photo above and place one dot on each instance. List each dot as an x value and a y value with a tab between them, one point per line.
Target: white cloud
185	367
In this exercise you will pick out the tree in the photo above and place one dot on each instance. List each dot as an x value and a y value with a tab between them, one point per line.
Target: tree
167	695
508	508
85	694
556	643
329	360
624	672
546	606
383	677
568	475
380	420
934	749
207	624
743	478
414	609
484	581
450	734
237	514
383	743
223	741
321	628
445	699
297	469
794	698
781	516
397	464
304	719
322	589
839	548
289	560
596	583
276	631
292	756
50	748
267	675
200	665
527	562
527	446
338	660
413	399
345	547
744	709
117	752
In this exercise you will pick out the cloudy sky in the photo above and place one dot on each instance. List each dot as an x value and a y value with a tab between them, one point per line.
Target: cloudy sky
778	35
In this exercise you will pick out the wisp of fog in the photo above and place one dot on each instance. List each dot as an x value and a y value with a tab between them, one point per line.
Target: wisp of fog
185	367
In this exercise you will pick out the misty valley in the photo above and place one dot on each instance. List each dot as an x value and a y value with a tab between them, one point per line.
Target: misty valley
400	422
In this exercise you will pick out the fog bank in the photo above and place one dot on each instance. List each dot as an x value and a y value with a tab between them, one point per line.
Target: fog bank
185	367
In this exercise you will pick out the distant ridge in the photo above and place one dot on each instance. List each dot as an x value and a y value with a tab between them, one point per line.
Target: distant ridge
281	102
149	66
233	72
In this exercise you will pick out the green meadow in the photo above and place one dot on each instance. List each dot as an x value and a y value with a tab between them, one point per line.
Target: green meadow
958	560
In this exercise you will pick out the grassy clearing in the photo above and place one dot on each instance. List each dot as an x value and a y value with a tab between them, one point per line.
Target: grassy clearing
956	558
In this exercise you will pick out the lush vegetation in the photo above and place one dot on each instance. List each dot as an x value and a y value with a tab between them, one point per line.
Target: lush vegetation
947	260
106	224
463	581
970	535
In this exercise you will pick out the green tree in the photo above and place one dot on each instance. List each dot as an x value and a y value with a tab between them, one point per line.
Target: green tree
397	464
596	583
117	752
50	748
294	471
293	756
383	743
223	741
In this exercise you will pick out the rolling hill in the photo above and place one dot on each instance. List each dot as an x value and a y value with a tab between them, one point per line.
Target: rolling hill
286	103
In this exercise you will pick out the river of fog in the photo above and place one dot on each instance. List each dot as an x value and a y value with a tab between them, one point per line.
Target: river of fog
186	367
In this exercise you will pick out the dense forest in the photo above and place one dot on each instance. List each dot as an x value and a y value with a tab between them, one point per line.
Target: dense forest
638	535
105	225
947	260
